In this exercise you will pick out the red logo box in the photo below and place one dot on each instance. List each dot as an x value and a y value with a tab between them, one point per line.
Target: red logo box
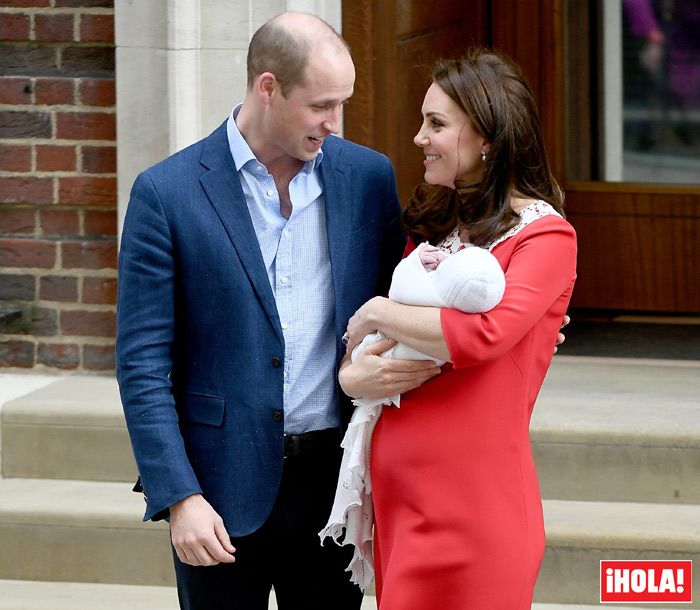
646	582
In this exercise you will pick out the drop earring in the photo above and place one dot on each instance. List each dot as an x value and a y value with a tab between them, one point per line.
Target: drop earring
483	156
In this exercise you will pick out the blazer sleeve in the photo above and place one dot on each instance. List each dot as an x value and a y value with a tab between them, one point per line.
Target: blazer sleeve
541	269
393	238
145	336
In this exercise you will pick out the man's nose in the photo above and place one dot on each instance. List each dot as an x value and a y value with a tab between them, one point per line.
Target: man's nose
332	122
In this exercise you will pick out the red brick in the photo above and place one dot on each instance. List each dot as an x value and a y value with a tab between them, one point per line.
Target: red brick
89	254
61	223
98	357
26	190
43	322
17	287
100	290
27	253
15	158
100	223
97	91
54	27
59	288
86	126
88	323
15	90
52	158
55	91
20	124
92	191
25	3
88	61
14	26
99	159
59	355
16	220
97	28
17	354
86	3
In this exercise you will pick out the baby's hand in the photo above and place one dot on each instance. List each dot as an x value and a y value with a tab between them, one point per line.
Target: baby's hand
431	256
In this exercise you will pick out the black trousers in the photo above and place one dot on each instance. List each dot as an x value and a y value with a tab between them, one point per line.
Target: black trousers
285	553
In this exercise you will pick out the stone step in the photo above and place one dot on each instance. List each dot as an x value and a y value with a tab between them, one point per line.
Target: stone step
603	429
626	430
581	534
71	429
80	531
37	595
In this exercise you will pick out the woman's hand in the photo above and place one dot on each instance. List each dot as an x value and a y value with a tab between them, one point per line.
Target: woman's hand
371	376
365	321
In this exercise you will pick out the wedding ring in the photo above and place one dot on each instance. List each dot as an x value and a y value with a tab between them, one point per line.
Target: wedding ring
345	338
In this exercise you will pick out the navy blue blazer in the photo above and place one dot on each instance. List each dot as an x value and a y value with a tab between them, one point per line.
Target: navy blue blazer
199	341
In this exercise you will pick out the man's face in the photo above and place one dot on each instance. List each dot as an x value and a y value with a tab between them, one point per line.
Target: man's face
298	124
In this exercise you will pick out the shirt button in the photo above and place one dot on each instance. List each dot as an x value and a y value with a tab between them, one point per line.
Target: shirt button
260	168
277	416
283	280
276	362
270	193
285	326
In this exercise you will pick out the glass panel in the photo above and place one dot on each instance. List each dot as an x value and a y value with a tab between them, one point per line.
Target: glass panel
633	88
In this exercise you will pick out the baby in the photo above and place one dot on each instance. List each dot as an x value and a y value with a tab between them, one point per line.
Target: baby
470	280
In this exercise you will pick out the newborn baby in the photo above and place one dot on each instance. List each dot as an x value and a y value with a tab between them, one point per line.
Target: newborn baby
470	280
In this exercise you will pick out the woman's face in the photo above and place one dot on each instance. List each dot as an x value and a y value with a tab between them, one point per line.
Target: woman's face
451	146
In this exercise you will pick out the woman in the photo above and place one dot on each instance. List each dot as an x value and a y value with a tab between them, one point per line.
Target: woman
458	511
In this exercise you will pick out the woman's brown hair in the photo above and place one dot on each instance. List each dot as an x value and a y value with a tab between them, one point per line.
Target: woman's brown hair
498	101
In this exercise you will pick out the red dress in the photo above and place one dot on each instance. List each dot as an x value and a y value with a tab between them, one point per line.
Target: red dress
457	505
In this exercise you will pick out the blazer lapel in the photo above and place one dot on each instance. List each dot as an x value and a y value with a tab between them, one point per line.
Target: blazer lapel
223	188
337	190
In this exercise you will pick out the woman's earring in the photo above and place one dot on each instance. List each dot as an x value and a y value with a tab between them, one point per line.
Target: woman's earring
483	156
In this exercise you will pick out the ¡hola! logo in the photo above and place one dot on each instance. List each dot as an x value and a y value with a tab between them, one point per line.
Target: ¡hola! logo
646	581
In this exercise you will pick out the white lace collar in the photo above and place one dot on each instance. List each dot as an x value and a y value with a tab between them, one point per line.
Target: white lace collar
534	211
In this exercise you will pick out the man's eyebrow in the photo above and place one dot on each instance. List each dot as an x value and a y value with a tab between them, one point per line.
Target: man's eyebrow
330	101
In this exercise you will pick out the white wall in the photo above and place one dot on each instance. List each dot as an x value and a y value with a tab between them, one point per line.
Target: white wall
181	68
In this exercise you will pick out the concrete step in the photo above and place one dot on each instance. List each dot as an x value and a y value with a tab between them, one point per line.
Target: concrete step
71	429
619	430
603	429
37	595
580	534
80	531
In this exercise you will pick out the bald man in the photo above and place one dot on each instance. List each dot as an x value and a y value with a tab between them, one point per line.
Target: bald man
242	259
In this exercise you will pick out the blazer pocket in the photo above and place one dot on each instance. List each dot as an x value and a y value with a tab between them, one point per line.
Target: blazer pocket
360	237
203	408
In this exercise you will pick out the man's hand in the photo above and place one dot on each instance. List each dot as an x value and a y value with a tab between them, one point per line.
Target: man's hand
560	335
198	533
371	376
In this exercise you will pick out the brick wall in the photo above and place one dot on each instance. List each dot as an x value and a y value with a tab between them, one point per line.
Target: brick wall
57	184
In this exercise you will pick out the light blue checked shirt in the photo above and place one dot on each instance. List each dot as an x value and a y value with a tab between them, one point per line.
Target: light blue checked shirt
298	266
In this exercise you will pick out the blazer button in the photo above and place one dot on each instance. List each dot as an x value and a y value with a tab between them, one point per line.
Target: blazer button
276	362
277	416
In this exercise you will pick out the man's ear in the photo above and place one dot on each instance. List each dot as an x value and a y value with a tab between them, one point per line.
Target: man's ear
266	86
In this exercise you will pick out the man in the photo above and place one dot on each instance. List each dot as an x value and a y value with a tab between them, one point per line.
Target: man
242	259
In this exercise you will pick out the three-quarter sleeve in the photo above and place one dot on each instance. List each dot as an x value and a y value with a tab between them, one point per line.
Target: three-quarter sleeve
541	269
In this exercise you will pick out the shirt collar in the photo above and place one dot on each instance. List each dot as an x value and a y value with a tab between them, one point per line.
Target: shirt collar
241	152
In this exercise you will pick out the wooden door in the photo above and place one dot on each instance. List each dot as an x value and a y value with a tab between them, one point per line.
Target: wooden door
393	44
639	244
